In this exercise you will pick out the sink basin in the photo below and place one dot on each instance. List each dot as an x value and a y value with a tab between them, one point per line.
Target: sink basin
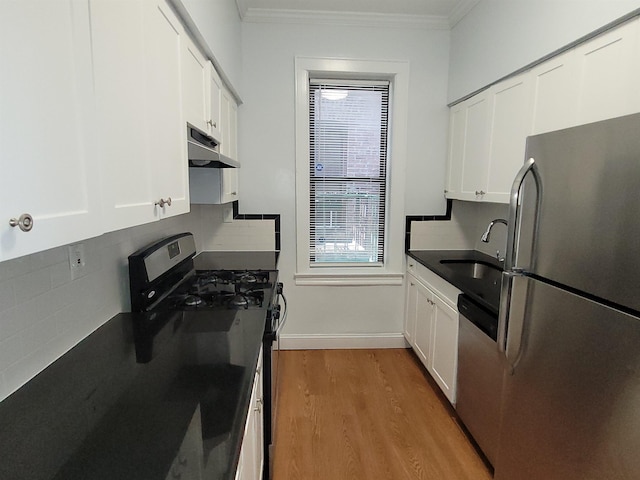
474	269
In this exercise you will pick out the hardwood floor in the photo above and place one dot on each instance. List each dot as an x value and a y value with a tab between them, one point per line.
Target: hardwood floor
367	414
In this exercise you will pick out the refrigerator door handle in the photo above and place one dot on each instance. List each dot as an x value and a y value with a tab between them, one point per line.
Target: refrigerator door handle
503	313
511	325
514	210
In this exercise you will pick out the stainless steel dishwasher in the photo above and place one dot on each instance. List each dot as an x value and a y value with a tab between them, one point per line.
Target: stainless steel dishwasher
480	371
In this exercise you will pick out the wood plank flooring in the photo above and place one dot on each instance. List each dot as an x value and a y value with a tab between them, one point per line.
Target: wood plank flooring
367	414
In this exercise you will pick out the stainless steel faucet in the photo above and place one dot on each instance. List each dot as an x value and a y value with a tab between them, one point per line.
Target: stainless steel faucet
487	233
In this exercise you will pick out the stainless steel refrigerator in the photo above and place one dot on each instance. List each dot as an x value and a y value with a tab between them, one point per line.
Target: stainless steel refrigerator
570	308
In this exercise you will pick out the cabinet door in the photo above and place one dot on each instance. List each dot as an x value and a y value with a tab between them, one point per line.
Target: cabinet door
476	148
608	75
251	461
444	351
214	94
46	125
424	321
510	120
554	101
127	172
411	313
166	130
457	129
195	80
228	145
468	163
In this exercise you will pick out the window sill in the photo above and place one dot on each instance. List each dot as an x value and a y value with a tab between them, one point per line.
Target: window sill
347	279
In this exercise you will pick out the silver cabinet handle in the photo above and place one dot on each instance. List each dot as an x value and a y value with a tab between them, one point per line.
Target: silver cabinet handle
25	222
212	123
480	192
162	202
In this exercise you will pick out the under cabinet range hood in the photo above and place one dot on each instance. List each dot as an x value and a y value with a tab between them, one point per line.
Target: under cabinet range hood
202	153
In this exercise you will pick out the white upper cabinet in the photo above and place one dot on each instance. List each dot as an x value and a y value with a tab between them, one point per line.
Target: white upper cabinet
594	81
510	114
214	96
195	79
469	148
166	128
128	188
608	75
143	134
487	141
553	100
475	158
46	127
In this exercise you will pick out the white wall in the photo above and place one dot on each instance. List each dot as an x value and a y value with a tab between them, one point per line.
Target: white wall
498	37
219	23
267	150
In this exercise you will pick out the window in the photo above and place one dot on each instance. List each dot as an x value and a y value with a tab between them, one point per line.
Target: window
350	219
347	171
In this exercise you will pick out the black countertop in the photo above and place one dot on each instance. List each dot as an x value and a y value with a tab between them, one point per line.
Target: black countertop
484	292
97	414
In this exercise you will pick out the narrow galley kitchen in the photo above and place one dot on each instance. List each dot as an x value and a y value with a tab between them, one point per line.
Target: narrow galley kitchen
367	414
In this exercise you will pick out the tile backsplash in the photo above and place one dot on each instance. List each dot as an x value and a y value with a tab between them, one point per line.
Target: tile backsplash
468	222
44	313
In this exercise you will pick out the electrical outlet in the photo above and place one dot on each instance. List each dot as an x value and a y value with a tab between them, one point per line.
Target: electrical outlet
227	213
77	260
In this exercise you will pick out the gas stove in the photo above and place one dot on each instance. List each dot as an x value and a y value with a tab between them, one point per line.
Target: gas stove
170	295
224	289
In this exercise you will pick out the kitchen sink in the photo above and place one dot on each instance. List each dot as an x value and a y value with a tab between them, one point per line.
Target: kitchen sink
474	269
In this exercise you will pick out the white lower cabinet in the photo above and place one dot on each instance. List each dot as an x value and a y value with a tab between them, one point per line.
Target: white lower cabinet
251	460
431	326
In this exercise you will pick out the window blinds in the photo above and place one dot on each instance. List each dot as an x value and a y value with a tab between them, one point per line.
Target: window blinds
348	124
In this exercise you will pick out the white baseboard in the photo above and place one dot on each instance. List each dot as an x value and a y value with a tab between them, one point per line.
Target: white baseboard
342	341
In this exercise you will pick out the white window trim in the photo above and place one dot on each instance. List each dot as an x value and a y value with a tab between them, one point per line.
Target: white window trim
398	73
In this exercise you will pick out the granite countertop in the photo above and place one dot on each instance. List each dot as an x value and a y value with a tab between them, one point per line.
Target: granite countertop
482	291
97	414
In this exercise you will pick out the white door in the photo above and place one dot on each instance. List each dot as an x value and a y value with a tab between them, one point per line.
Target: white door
510	120
215	93
46	125
457	129
554	94
475	163
608	75
128	188
424	321
410	314
195	78
444	351
166	129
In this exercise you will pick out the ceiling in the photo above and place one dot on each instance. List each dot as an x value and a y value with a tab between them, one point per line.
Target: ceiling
445	11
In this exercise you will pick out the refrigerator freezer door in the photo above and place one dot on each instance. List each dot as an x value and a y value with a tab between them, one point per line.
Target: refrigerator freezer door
570	405
588	223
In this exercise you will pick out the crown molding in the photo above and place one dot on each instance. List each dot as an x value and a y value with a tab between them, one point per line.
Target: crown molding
460	11
355	19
